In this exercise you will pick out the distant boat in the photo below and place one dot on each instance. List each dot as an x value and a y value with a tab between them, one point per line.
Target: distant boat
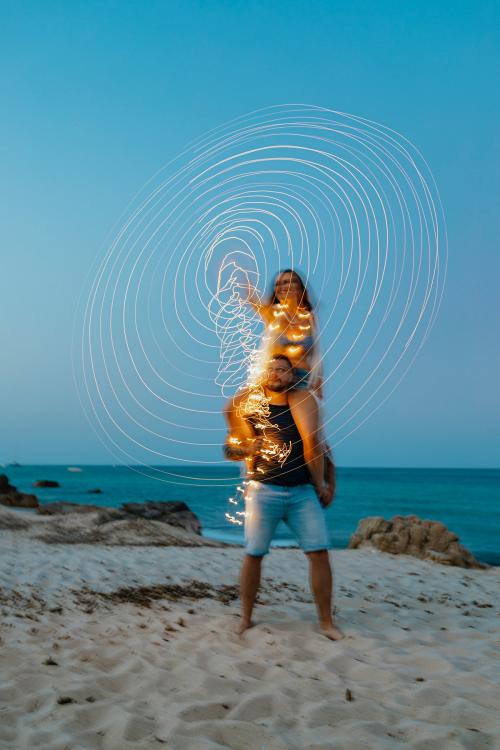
74	468
12	465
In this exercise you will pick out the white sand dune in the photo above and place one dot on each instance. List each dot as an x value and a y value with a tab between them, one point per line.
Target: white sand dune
418	667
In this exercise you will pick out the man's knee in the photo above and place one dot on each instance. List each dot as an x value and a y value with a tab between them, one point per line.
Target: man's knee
320	555
253	559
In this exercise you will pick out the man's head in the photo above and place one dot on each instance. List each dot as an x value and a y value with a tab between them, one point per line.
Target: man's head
280	374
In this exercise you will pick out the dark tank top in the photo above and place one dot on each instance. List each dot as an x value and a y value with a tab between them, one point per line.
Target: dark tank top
294	470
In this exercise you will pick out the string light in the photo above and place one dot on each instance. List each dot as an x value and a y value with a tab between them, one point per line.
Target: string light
348	200
255	404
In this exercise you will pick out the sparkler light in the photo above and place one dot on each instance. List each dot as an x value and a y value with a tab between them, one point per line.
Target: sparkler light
255	404
164	332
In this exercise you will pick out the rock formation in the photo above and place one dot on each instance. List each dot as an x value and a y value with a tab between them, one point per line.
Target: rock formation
51	509
410	535
46	483
175	513
138	524
11	497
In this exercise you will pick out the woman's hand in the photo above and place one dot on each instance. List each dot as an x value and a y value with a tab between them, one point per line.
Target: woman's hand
253	298
247	288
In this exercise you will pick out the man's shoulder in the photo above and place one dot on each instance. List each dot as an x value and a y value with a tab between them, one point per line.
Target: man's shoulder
303	405
301	397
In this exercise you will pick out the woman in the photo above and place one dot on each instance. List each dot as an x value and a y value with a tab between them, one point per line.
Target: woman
291	328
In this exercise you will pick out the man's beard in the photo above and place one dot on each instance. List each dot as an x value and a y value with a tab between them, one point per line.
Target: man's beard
278	387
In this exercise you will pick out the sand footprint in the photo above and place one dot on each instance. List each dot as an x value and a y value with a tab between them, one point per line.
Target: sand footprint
431	696
182	742
240	735
237	735
113	735
249	669
121	682
88	715
9	693
204	711
340	664
139	728
330	714
254	707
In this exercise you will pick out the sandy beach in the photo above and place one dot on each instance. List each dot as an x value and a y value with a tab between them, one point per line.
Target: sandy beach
134	647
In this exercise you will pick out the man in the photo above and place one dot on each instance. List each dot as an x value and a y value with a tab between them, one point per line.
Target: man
293	490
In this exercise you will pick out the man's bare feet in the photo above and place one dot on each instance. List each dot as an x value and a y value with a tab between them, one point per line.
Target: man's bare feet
330	631
244	625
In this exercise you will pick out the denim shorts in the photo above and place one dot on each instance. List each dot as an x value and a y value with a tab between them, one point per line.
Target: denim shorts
268	504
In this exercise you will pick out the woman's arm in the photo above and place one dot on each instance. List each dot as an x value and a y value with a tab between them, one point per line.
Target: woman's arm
253	298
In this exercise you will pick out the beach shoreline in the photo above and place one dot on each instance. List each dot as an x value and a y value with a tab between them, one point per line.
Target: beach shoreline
134	647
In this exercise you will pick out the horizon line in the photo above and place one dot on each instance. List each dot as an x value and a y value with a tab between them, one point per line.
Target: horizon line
15	465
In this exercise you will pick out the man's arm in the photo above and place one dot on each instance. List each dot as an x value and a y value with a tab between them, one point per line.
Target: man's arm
240	441
305	414
330	476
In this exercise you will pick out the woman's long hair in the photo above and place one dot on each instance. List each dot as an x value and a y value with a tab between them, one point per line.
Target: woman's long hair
304	296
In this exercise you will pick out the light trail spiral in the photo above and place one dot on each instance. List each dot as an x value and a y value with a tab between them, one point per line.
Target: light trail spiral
164	334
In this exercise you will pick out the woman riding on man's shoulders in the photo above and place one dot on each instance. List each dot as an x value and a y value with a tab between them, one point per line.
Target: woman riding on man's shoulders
291	328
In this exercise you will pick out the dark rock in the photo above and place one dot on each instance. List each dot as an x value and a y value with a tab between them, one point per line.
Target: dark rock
175	513
84	528
5	487
50	509
109	526
410	535
46	483
95	491
19	500
10	497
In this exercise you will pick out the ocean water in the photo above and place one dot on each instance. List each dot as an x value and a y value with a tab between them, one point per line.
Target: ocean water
466	500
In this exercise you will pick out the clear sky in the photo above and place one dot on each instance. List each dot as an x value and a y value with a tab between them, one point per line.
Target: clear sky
99	95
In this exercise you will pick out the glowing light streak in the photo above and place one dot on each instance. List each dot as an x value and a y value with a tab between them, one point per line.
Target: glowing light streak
350	202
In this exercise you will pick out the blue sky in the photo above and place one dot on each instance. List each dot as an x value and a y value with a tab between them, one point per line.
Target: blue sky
99	96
